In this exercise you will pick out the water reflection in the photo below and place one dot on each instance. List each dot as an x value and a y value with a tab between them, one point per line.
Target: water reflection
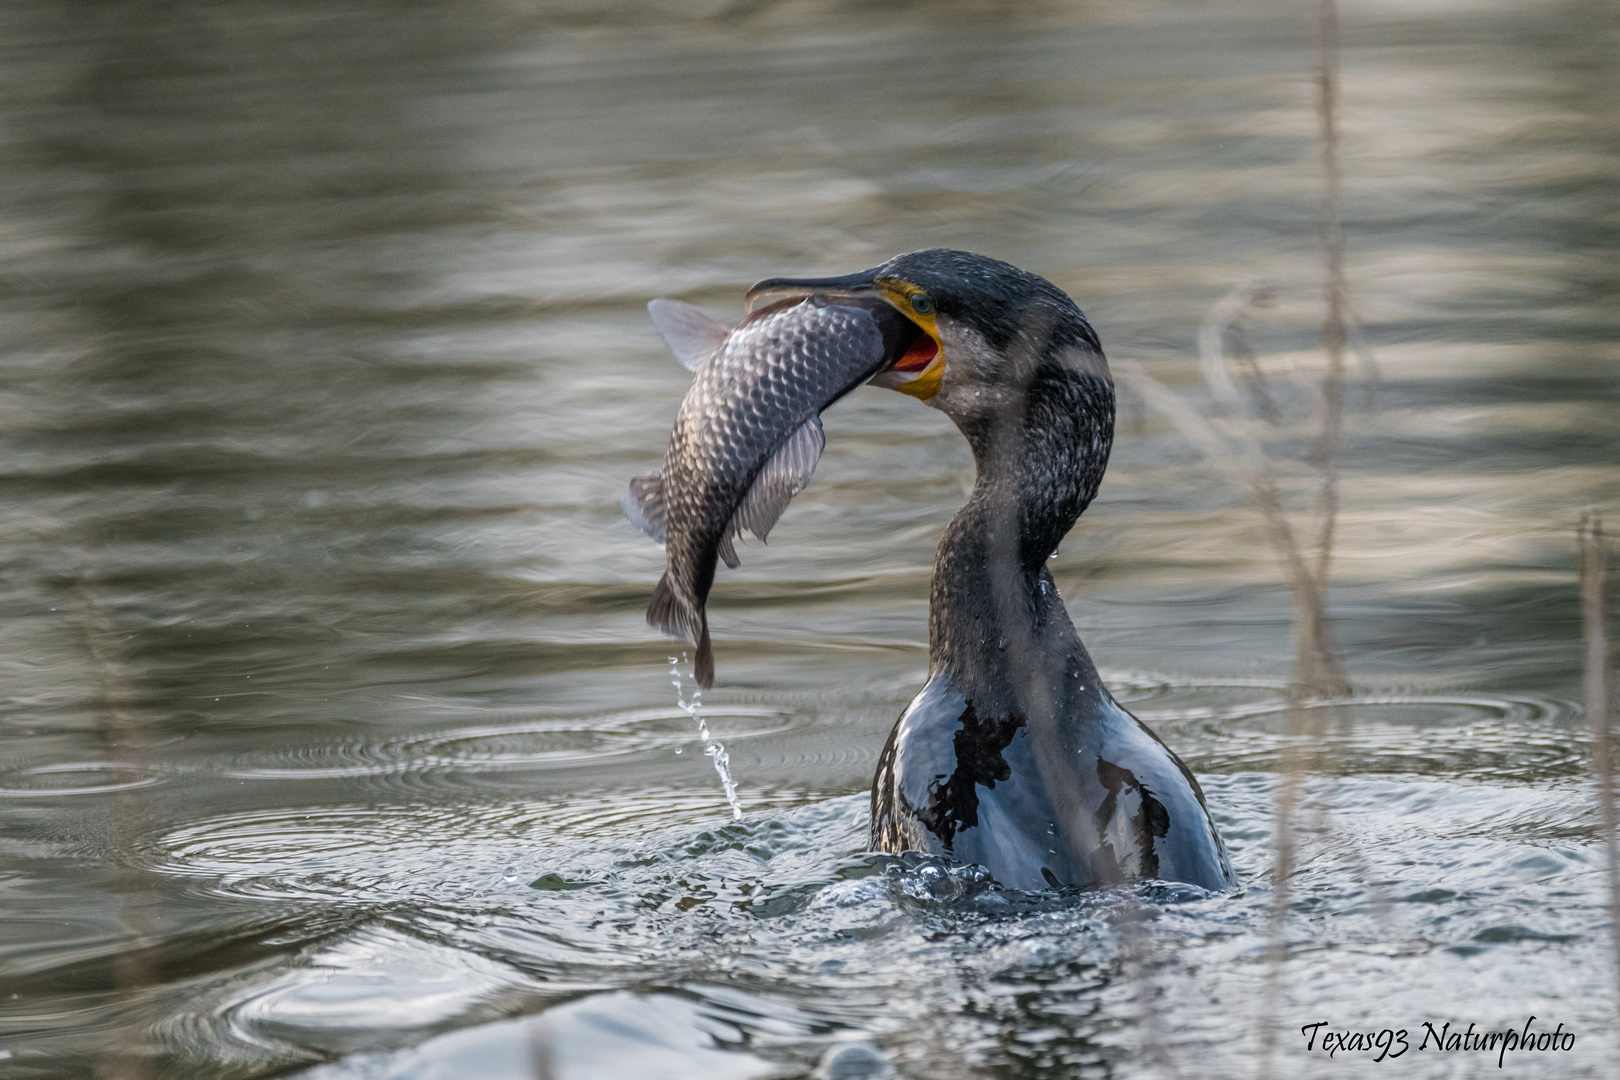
325	360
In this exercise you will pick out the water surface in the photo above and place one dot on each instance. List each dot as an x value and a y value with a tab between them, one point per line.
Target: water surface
333	735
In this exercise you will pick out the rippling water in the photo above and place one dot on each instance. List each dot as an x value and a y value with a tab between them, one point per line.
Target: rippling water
333	736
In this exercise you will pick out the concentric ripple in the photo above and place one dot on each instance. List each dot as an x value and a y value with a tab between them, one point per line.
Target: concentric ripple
546	743
76	778
377	985
1241	724
1166	699
369	854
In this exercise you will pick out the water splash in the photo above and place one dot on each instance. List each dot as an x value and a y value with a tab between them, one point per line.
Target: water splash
715	751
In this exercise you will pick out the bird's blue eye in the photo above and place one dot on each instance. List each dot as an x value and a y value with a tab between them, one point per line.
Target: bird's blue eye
921	304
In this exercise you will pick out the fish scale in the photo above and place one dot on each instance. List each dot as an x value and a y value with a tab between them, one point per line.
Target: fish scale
747	438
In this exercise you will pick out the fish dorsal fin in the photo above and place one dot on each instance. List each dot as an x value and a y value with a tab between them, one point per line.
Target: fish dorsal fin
643	504
690	334
784	474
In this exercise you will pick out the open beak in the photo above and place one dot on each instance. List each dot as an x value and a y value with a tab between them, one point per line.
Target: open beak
914	363
862	285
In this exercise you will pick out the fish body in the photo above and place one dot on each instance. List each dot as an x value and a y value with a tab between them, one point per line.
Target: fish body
748	434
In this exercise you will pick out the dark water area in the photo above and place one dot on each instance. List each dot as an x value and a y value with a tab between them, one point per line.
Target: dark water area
335	744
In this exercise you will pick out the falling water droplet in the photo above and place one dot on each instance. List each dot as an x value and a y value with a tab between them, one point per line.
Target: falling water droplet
509	875
716	751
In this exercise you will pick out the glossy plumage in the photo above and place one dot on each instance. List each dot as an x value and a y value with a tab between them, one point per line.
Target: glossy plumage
1015	756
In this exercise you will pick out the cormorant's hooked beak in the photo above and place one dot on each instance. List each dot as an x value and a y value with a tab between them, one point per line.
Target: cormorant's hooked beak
918	367
850	286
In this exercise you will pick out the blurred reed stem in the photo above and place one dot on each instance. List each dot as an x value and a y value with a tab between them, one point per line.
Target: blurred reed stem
1331	231
134	968
1316	665
1318	671
1599	698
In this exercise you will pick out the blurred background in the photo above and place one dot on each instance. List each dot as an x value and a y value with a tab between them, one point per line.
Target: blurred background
333	736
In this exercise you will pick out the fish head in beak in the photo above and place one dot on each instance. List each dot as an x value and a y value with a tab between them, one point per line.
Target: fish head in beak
915	360
976	328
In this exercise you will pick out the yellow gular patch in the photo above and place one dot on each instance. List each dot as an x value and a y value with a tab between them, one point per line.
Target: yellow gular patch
926	357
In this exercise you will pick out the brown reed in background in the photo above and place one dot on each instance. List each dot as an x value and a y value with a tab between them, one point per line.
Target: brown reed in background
1318	670
1594	554
134	968
1320	664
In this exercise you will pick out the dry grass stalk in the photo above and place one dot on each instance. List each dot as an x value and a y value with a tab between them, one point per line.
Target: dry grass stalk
119	729
1334	332
1318	672
1226	323
1599	697
1372	380
1334	337
1289	796
1138	962
1041	690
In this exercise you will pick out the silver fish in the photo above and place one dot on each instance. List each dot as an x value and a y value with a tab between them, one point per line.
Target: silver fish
748	434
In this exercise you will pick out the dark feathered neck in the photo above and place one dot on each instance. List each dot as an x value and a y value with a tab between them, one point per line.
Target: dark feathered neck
994	612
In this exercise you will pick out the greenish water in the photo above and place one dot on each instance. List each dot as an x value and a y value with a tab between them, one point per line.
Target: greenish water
333	737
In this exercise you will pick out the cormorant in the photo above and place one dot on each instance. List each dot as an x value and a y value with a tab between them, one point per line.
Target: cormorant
1014	755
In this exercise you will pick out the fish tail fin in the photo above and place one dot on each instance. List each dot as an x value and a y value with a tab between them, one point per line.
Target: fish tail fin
703	664
664	610
669	613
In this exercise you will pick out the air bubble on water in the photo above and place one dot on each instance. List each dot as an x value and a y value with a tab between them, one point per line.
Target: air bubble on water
716	751
509	875
854	1061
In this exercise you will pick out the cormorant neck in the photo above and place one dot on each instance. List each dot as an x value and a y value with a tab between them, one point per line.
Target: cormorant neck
995	616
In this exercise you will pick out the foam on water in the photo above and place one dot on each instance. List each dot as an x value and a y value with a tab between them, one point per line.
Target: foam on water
1442	892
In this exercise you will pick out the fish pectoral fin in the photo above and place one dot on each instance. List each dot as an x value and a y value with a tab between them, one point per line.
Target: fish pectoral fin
784	474
643	504
690	334
727	550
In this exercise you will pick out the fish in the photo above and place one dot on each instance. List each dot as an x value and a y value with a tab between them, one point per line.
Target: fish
748	434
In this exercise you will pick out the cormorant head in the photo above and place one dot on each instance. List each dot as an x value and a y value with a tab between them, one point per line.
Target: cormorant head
986	325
